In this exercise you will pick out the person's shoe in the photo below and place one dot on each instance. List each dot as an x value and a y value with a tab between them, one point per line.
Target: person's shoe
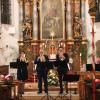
39	92
66	92
22	93
61	92
46	93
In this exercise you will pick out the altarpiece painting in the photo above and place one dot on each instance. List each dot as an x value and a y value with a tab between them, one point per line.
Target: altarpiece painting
52	19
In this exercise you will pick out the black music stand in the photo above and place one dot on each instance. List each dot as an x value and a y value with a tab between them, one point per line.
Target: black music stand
47	97
97	67
13	65
69	78
89	67
62	97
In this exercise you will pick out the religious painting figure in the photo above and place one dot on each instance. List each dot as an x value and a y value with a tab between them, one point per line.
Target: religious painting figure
77	27
52	18
27	32
27	20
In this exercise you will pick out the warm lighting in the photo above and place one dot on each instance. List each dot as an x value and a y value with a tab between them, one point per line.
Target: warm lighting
64	45
80	54
61	43
52	34
40	45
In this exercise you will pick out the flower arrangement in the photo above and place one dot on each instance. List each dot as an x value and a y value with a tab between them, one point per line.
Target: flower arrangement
1	78
53	78
89	78
98	60
8	79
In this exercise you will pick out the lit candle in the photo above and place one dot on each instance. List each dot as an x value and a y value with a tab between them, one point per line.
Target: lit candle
52	34
80	54
61	43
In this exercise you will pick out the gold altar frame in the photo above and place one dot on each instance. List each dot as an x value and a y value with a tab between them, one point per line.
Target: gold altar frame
57	36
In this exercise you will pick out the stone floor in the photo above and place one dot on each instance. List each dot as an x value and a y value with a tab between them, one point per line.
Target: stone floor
53	95
31	93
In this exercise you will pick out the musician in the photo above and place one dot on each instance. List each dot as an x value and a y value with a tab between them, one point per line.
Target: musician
22	72
62	60
22	62
42	70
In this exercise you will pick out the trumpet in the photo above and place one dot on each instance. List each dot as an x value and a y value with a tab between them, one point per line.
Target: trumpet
24	59
42	59
62	57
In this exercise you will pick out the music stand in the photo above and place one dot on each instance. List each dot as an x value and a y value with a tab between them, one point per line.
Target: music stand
89	67
47	97
71	78
97	67
13	65
61	97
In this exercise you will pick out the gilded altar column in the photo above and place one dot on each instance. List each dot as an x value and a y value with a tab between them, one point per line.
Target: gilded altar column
68	20
35	21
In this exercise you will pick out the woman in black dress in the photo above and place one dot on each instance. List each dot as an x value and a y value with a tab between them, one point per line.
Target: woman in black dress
22	72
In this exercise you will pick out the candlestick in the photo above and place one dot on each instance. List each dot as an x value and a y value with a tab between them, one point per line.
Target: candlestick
80	54
52	34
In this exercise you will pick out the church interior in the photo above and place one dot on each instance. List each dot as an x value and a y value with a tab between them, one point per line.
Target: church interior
32	25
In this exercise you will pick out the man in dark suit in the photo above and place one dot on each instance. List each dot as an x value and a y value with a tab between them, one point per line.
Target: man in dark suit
62	60
42	62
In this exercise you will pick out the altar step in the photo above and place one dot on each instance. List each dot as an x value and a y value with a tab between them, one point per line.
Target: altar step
30	86
33	95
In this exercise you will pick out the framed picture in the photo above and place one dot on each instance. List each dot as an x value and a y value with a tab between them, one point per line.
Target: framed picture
52	19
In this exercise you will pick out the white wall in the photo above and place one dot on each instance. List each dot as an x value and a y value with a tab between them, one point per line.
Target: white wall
97	35
10	36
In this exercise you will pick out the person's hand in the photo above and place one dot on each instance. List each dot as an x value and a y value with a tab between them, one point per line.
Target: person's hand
55	68
34	71
38	58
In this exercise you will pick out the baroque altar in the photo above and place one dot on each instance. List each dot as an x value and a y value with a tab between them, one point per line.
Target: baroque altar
48	24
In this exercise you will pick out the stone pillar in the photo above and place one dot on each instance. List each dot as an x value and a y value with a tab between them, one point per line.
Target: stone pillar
28	10
83	16
69	20
0	13
21	21
35	21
